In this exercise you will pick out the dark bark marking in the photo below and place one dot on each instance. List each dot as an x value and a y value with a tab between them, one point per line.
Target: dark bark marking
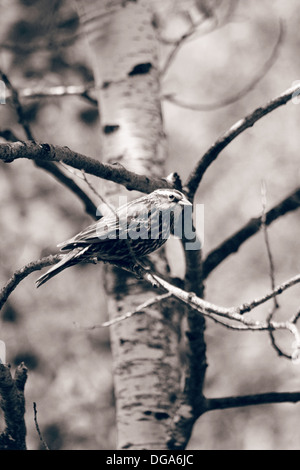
110	128
140	69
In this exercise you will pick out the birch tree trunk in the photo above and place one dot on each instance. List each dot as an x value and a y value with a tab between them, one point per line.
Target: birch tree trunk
124	58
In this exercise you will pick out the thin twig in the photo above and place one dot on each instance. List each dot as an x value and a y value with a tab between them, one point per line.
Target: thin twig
139	309
295	317
277	291
22	273
17	105
38	428
215	24
271	269
102	199
177	46
266	238
237	313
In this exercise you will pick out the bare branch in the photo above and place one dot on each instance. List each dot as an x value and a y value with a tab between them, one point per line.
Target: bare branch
234	242
46	153
191	299
236	313
217	23
178	45
271	270
194	32
17	105
139	309
89	206
184	423
247	400
50	167
277	291
233	313
38	428
266	239
58	91
22	273
240	126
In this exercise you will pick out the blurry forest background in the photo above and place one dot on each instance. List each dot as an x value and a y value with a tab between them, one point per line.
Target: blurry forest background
70	374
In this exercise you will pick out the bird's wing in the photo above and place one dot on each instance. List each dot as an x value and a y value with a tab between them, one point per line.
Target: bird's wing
92	234
126	220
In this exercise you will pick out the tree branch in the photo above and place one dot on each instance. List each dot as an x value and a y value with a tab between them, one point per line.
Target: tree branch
180	438
233	313
233	243
139	309
47	154
247	400
58	91
240	126
22	273
236	313
50	167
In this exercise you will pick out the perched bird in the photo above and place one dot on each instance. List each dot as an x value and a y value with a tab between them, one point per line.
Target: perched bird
135	229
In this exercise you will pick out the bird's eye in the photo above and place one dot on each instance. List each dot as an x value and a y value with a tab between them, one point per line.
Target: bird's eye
171	197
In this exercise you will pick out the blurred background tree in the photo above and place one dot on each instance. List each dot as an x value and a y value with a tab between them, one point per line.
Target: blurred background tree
41	46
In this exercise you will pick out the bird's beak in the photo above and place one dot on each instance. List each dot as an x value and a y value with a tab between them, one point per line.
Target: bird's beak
185	202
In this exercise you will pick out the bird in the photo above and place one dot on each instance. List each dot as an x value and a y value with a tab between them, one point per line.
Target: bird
132	231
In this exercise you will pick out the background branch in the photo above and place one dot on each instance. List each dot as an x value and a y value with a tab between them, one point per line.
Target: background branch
247	400
240	126
234	242
22	273
82	91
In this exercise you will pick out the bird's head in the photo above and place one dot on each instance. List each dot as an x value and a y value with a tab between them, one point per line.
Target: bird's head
169	199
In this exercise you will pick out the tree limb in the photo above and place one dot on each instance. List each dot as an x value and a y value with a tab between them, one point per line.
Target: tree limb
233	243
247	400
46	153
57	91
22	273
232	313
237	313
240	126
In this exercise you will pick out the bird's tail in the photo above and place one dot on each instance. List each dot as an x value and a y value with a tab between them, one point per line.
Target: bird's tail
67	261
